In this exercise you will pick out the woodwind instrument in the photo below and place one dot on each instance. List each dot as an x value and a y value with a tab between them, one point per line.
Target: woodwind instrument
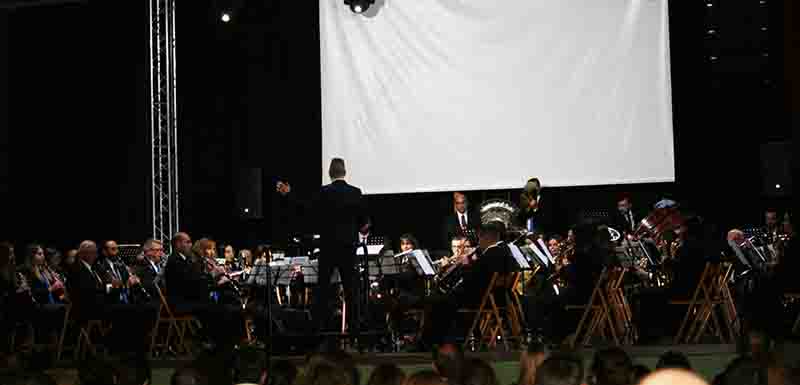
55	279
141	292
211	265
24	289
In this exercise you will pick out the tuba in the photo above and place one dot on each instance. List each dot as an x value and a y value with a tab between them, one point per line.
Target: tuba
502	211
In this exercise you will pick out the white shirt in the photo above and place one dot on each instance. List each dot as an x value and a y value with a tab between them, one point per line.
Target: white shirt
362	238
182	256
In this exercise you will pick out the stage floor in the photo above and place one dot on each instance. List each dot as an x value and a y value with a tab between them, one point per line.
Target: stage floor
707	360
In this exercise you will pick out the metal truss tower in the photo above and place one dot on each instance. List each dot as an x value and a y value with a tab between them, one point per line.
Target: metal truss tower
163	119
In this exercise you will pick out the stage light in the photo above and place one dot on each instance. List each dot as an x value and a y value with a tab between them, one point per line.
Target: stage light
777	186
226	17
246	211
359	6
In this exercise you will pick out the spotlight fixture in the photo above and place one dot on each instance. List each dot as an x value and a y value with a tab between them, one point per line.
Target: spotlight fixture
226	17
359	6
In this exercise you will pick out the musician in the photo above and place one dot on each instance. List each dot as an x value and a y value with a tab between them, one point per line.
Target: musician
534	215
459	250
223	291
495	257
112	268
94	299
149	268
231	263
16	301
460	221
190	280
626	218
339	210
48	291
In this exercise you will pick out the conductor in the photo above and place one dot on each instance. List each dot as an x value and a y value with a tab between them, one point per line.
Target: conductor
338	214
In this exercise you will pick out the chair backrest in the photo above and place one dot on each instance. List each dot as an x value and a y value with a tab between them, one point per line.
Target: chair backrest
164	308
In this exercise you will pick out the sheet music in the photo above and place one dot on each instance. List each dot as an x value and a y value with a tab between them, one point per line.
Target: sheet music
521	260
423	260
546	251
540	255
371	250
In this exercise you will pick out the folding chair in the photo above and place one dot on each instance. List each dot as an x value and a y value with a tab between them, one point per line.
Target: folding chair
599	311
713	299
488	321
691	303
177	324
796	324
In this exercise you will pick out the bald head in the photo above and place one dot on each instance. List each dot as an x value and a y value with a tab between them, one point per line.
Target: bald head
672	377
87	251
182	243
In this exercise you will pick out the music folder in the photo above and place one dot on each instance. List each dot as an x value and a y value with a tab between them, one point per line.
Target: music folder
420	260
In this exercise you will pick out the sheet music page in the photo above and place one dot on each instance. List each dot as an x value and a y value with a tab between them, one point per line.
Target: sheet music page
540	255
424	262
521	260
371	249
546	251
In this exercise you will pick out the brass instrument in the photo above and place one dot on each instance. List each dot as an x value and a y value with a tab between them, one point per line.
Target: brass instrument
451	278
502	211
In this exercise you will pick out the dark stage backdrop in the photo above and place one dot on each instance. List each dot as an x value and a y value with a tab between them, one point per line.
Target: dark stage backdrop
249	97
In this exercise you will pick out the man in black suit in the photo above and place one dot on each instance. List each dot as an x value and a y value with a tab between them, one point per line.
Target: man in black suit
148	269
340	214
461	221
495	257
95	299
627	218
535	212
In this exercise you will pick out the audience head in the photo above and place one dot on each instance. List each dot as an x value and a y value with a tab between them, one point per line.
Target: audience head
490	233
448	361
478	372
673	376
110	249
337	169
87	252
387	374
744	370
425	377
612	366
530	359
182	243
408	242
560	369
460	202
153	250
675	360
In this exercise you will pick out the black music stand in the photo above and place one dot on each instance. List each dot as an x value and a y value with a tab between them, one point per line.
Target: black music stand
129	252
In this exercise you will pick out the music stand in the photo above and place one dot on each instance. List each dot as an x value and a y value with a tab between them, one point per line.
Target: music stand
129	252
420	260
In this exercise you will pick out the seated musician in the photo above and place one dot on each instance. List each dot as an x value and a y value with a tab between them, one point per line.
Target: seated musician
148	268
225	290
686	269
494	257
49	292
95	296
231	263
16	301
190	279
460	252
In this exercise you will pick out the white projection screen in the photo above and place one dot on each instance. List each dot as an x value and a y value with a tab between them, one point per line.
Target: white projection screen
442	95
